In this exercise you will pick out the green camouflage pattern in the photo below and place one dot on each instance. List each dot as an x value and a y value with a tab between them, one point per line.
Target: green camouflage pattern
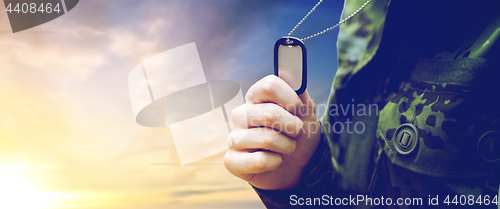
358	38
448	136
452	94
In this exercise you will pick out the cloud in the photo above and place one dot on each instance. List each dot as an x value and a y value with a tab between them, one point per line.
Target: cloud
198	192
22	56
65	99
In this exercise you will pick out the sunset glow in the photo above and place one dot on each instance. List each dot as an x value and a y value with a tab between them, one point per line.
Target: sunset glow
18	192
68	136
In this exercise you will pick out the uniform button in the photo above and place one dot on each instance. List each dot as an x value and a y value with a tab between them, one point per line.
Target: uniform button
488	146
405	138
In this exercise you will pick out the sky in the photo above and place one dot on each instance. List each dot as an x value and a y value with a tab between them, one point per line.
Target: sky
68	137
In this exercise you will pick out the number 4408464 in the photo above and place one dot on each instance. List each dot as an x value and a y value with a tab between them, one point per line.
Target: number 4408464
470	200
33	8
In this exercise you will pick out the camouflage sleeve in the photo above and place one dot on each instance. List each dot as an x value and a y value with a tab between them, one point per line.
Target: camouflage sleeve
317	180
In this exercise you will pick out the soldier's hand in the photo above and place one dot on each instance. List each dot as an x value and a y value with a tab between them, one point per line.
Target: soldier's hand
276	133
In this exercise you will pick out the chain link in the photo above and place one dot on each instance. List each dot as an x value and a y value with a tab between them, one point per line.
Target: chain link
327	29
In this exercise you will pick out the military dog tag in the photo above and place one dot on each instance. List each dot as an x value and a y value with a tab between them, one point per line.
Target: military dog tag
290	62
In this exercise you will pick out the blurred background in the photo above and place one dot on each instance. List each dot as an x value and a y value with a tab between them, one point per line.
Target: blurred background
68	137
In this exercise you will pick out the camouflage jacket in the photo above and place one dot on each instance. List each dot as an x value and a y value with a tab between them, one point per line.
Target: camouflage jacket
431	64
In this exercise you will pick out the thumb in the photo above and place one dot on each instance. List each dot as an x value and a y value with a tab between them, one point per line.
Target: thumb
308	110
306	99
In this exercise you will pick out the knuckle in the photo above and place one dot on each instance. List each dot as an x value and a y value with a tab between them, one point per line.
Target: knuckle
238	113
275	163
237	138
265	86
269	140
258	163
269	116
270	113
270	85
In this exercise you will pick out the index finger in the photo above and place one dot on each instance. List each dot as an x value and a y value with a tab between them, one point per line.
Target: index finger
274	89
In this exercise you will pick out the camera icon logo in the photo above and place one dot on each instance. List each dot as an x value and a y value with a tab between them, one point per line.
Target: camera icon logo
170	89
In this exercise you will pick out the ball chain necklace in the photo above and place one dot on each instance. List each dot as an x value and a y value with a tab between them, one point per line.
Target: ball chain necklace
327	29
290	57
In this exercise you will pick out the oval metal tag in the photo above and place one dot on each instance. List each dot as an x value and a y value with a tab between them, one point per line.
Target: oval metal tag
290	62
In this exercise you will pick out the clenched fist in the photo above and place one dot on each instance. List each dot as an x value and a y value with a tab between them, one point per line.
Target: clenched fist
276	133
